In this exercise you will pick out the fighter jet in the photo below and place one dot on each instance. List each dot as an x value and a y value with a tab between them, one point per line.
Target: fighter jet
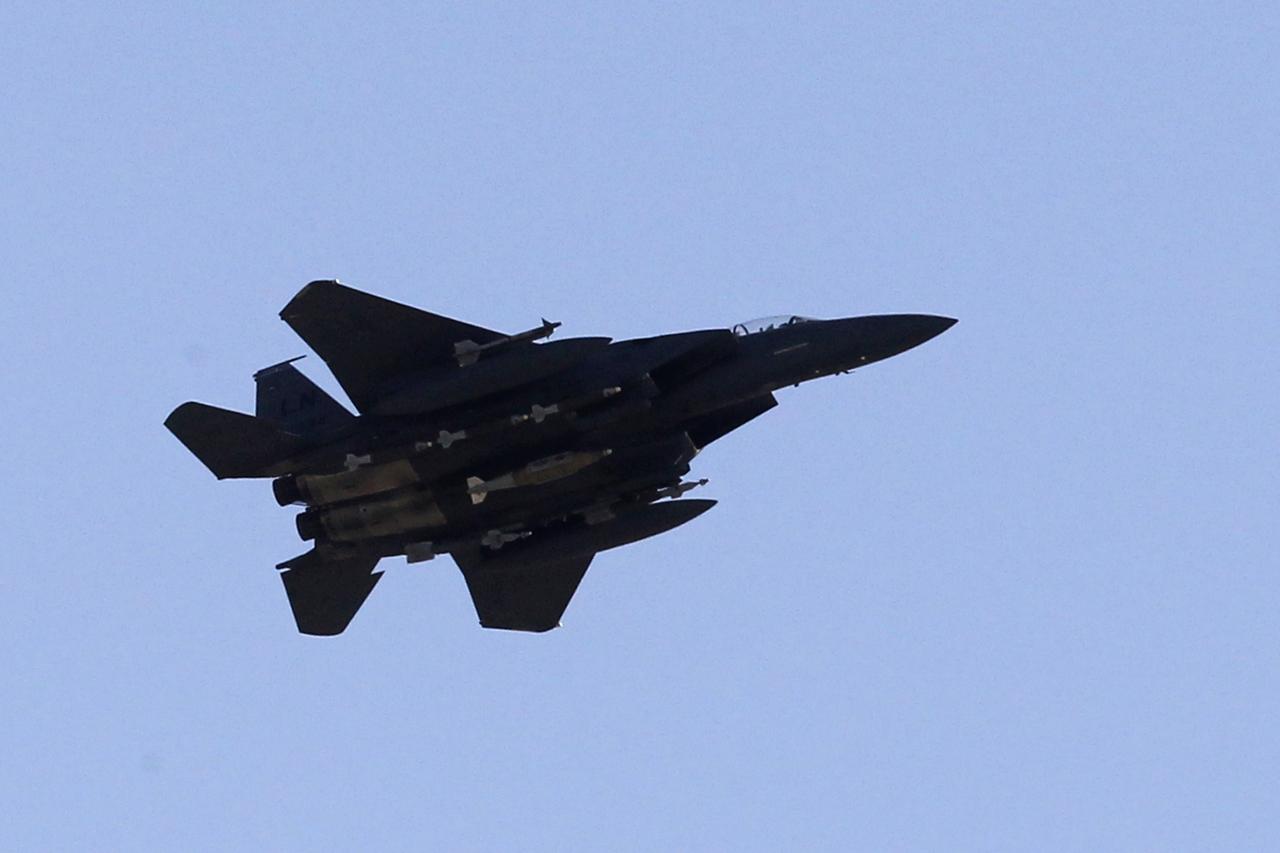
519	457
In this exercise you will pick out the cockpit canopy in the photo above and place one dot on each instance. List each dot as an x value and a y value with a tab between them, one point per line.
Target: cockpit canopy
765	324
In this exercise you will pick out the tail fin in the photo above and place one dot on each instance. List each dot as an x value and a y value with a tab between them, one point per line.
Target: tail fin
294	402
232	444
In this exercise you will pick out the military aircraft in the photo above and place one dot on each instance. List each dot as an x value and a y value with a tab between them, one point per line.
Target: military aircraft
519	457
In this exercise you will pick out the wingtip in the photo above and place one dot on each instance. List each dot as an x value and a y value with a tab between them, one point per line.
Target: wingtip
176	415
308	291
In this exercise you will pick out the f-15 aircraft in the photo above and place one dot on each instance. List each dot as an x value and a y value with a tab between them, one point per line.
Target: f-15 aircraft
519	457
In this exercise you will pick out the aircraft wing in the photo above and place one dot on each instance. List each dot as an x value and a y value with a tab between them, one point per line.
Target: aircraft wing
326	590
367	340
524	597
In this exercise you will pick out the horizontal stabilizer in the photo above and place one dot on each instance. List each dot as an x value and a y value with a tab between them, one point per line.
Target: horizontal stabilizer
232	444
523	598
326	589
367	340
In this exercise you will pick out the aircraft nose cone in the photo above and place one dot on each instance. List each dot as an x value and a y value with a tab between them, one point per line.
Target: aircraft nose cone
880	337
915	329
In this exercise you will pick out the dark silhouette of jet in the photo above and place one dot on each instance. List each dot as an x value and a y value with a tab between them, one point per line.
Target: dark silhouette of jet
520	459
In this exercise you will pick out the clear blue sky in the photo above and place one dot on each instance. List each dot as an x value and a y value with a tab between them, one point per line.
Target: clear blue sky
1015	590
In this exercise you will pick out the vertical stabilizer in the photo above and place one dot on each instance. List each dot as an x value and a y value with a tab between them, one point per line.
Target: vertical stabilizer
295	403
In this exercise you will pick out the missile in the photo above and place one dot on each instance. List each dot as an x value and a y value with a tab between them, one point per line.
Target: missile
580	540
541	413
538	413
536	473
680	488
605	511
446	438
468	352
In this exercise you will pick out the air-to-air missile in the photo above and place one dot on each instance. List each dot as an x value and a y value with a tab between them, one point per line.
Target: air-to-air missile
520	459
